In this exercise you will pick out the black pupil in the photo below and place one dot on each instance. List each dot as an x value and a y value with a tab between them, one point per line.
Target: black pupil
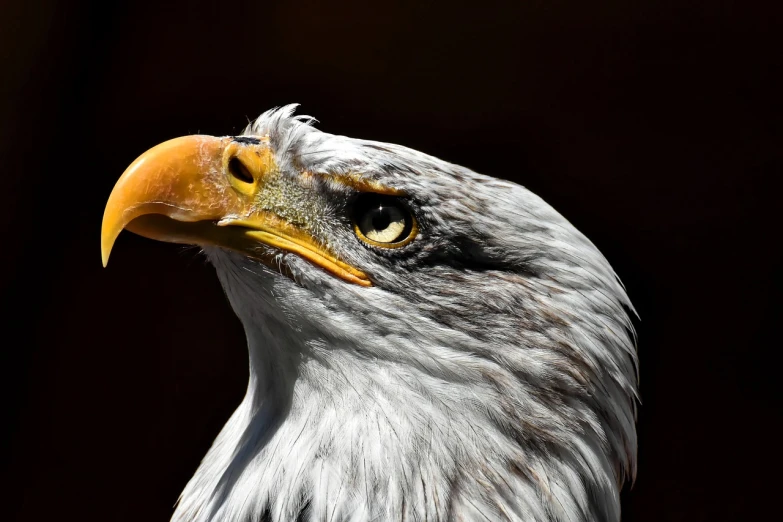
381	219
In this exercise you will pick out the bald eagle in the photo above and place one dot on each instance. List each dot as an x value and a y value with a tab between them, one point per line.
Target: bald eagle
425	342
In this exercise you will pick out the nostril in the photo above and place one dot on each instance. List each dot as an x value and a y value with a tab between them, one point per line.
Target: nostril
238	169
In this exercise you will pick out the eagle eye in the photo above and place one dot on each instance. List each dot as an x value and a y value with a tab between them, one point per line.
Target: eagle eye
383	221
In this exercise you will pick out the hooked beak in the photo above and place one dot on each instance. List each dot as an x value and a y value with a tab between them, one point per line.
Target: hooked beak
201	190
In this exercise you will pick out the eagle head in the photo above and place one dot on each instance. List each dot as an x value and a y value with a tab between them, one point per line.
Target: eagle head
425	342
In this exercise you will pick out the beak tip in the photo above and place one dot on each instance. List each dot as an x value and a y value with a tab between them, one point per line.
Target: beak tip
105	255
107	242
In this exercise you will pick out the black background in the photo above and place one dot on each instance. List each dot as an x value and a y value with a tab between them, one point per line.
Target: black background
655	127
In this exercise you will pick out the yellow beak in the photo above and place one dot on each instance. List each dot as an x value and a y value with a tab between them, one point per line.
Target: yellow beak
201	190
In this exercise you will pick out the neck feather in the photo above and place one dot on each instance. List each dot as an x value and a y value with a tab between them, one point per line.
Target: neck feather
325	432
352	442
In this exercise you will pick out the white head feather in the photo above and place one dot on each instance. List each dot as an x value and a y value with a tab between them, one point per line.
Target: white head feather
489	373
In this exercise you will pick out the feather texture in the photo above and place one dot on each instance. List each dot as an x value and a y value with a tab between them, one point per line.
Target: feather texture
489	373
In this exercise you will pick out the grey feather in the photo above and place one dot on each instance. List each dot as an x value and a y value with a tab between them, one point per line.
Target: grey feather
489	373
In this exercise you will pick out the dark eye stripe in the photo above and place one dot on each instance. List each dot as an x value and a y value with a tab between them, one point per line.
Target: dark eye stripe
246	140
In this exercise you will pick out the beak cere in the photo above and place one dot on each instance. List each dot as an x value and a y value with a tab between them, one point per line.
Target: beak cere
202	190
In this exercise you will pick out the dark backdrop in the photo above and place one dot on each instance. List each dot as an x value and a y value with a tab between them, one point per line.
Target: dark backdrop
655	127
